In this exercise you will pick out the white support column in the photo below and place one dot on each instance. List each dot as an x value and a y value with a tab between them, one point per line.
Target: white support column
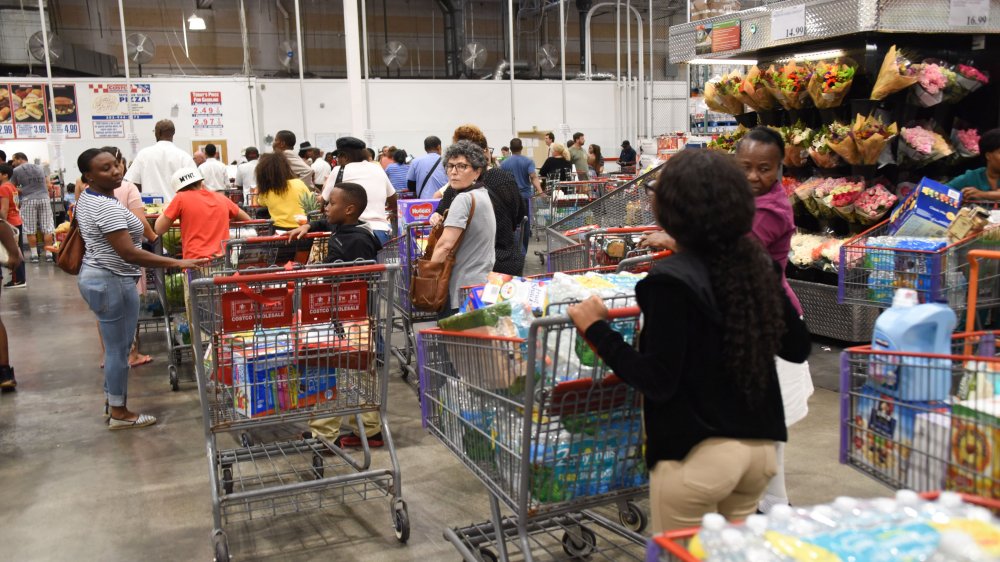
302	78
133	139
510	31
355	86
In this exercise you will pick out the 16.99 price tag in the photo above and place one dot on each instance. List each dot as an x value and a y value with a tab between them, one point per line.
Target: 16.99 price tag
969	13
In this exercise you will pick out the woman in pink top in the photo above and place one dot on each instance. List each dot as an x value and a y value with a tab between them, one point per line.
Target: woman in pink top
760	153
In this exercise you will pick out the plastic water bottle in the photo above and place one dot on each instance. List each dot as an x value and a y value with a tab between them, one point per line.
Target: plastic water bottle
719	542
758	547
958	547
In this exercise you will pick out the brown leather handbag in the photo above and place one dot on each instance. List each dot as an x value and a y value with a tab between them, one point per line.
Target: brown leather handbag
429	280
70	258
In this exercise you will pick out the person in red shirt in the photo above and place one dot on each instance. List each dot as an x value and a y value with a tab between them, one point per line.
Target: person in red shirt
10	212
204	215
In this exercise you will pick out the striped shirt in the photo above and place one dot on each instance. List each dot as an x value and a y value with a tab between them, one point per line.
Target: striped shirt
97	216
397	175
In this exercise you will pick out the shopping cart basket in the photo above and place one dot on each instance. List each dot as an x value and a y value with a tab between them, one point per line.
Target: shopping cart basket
285	348
601	246
873	265
268	251
549	431
620	205
926	421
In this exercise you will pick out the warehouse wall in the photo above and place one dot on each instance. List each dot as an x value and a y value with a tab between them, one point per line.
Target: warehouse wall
403	112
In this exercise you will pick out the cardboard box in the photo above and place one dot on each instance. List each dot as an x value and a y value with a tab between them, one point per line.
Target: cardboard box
414	210
885	428
928	212
975	446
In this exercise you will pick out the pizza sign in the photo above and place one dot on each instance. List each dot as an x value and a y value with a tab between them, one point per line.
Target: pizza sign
327	302
270	308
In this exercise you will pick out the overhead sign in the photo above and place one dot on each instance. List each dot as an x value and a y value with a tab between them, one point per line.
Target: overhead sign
110	105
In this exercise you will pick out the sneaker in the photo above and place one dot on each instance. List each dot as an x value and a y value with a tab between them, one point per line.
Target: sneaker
7	381
33	259
48	258
13	285
355	441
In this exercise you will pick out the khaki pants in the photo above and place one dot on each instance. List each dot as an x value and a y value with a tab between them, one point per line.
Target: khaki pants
720	475
330	427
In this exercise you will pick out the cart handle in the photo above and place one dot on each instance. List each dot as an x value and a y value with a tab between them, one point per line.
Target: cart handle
624	230
974	257
251	222
298	274
282	237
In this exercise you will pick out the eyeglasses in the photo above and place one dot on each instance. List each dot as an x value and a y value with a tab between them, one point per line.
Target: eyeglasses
461	167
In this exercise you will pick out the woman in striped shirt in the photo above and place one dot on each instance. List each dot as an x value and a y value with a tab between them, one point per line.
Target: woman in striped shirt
112	236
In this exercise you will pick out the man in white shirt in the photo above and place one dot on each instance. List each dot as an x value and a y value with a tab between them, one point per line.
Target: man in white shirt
213	170
246	173
321	169
284	142
353	159
153	166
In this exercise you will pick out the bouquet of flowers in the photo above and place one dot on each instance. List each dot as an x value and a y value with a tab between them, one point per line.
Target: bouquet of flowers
821	194
870	136
753	93
966	142
842	143
820	151
804	193
931	83
842	197
892	76
726	142
720	94
873	204
830	83
788	84
797	141
922	146
971	78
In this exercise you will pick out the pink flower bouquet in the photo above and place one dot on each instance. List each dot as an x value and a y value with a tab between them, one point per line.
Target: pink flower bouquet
931	82
873	204
842	198
966	142
971	78
922	146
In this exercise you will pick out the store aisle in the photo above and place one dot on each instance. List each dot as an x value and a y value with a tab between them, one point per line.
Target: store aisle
72	490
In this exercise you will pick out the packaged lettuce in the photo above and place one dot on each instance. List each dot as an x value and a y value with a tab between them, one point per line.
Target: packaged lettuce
484	317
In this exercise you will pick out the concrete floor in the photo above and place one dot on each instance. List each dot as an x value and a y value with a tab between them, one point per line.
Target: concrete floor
72	490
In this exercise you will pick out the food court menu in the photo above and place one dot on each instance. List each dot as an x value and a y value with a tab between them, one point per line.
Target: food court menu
25	114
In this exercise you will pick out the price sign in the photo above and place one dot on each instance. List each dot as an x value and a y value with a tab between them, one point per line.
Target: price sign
787	23
969	13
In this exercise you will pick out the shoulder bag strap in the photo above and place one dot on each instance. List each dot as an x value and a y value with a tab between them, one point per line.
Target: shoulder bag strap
472	213
428	176
340	175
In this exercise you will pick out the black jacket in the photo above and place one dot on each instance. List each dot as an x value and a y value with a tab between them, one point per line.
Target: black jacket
689	394
348	242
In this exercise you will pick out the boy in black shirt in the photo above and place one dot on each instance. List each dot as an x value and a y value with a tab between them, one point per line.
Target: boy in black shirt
350	239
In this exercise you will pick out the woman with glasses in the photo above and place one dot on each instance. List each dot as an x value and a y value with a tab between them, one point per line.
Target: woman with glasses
470	226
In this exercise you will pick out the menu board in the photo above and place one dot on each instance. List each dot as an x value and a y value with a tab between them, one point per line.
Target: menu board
28	105
110	105
67	111
6	113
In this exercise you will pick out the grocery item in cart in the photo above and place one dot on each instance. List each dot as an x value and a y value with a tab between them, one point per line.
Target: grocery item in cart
913	329
975	441
886	430
929	211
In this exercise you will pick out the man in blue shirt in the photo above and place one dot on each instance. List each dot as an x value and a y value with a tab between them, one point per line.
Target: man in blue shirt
523	170
426	174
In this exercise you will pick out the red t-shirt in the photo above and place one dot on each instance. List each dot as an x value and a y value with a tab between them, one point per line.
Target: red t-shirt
8	191
204	217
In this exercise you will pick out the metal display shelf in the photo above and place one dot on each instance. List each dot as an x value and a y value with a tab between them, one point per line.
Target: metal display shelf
829	19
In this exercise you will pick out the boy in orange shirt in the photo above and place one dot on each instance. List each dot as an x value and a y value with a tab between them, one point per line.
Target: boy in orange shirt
10	213
204	215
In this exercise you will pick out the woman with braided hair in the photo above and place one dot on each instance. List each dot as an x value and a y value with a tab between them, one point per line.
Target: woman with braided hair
714	318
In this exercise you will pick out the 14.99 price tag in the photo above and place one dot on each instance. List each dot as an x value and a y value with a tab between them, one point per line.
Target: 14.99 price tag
787	23
969	13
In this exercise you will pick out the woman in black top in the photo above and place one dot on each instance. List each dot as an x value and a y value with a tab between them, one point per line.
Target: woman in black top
558	165
714	318
508	206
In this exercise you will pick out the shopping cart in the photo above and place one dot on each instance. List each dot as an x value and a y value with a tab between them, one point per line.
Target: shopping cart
926	421
872	267
268	251
285	348
601	246
677	546
404	250
550	432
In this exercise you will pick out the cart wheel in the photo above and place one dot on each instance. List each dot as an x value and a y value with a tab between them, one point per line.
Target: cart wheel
227	480
221	545
318	465
633	518
246	440
401	524
487	555
583	549
175	384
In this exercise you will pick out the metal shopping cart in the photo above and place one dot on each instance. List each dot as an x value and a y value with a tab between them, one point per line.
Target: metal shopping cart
601	246
285	348
925	421
550	432
405	250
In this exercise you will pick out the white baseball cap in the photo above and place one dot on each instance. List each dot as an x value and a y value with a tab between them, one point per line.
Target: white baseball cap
185	177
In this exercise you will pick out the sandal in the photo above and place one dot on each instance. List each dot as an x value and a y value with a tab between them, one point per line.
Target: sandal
142	421
143	359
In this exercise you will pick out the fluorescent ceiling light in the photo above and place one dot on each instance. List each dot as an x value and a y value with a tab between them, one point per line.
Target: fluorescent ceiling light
819	55
195	23
726	62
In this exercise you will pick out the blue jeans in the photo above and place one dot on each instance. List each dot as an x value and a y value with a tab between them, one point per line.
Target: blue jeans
383	236
115	301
